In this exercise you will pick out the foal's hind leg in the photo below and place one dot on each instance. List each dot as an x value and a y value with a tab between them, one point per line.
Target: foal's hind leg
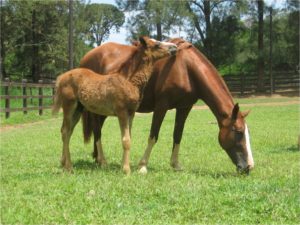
125	133
71	118
98	153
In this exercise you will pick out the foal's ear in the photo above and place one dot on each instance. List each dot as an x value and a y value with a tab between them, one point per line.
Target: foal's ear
143	41
235	111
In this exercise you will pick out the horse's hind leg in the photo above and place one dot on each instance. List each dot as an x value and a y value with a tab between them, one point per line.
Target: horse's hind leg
71	117
125	133
98	153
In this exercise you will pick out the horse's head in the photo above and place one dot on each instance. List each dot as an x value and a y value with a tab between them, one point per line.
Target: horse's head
234	139
157	49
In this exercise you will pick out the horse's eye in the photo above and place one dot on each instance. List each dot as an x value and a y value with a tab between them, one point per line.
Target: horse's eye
239	135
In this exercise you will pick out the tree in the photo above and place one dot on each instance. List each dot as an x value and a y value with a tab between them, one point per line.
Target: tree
102	19
202	11
260	62
155	18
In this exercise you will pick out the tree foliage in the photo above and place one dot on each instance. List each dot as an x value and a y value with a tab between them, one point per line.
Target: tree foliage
102	19
158	19
34	34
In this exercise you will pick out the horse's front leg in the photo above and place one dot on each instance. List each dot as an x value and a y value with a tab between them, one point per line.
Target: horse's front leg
157	118
181	115
124	121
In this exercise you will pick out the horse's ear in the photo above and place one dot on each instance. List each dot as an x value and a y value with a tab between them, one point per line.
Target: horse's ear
235	111
244	114
143	41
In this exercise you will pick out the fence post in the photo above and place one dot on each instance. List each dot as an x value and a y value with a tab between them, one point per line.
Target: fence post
24	81
242	83
40	98
7	99
53	91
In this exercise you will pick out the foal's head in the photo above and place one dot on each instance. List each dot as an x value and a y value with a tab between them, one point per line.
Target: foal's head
234	138
156	49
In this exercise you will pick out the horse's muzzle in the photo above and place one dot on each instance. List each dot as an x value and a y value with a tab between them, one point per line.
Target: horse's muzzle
242	170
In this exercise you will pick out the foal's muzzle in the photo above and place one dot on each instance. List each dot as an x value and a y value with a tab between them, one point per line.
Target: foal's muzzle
172	50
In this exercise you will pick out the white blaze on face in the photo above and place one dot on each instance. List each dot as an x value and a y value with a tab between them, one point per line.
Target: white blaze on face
167	44
248	147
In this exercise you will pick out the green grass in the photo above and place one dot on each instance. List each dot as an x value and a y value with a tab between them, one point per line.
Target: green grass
34	190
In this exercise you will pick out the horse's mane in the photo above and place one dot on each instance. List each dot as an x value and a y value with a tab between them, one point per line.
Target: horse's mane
213	68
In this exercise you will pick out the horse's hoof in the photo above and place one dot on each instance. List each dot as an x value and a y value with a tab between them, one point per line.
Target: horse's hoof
143	170
176	167
68	169
101	163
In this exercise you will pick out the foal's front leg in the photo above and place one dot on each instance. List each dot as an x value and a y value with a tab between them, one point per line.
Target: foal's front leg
124	121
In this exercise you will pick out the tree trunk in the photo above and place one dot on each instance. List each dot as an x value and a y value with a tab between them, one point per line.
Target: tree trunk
2	52
70	49
207	43
35	62
260	63
158	31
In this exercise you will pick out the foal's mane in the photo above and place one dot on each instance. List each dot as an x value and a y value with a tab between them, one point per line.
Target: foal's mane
125	66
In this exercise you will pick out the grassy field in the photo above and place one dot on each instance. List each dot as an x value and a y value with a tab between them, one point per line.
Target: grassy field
34	190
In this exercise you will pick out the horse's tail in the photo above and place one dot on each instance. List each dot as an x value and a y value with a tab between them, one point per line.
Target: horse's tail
87	125
57	97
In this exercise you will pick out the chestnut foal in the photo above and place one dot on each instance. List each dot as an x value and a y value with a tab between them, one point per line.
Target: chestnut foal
111	95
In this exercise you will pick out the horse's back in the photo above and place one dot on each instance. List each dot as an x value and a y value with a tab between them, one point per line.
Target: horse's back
107	58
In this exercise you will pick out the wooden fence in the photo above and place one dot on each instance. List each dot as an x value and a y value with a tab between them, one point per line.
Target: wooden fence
280	83
285	82
8	86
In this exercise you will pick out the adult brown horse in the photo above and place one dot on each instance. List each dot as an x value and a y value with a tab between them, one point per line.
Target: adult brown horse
177	82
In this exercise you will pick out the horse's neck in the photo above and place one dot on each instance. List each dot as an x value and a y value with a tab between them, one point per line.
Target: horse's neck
213	90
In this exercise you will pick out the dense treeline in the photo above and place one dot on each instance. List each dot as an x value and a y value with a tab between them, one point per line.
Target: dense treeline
234	35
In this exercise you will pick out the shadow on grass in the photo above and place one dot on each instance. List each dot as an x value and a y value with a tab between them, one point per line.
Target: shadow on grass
217	174
293	148
91	165
86	165
290	149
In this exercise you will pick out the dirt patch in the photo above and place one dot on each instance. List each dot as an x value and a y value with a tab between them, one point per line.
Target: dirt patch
10	127
256	104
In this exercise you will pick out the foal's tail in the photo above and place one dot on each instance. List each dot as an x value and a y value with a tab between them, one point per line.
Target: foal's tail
87	125
57	97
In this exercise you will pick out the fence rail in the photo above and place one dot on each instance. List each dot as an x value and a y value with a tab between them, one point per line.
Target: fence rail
282	82
8	86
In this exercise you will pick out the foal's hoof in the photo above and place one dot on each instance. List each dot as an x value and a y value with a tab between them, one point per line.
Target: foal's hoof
143	170
126	170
